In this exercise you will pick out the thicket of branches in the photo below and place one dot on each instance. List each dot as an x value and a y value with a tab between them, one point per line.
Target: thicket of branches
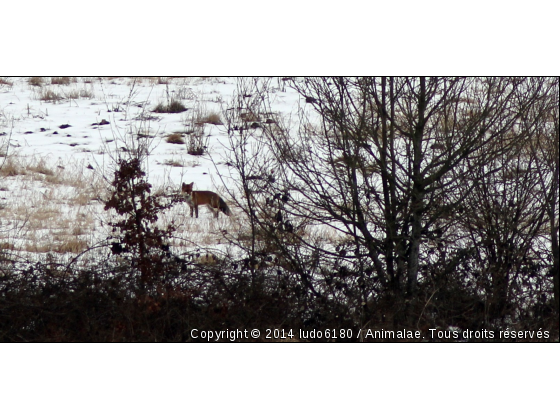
389	203
415	201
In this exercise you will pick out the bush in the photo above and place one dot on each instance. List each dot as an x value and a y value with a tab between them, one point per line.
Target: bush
36	81
197	143
211	118
173	107
175	138
49	95
62	80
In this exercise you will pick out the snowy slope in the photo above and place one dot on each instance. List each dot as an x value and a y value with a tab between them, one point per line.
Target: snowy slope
59	143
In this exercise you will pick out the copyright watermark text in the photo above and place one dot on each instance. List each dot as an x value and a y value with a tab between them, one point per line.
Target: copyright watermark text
231	335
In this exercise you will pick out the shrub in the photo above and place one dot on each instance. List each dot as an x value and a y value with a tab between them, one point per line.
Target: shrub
49	95
173	107
137	236
62	80
36	81
197	143
175	138
211	118
10	167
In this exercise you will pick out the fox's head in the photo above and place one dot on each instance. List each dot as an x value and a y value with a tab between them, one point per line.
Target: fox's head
187	188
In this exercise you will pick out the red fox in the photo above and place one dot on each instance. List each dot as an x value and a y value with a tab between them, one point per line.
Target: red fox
211	199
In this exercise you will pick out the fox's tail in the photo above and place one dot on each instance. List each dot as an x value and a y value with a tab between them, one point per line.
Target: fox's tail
224	207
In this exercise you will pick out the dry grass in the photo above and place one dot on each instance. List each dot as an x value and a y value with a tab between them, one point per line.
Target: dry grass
41	167
175	138
83	198
72	245
45	214
174	163
50	207
201	115
54	179
79	93
36	81
173	107
7	246
60	93
62	80
5	82
11	167
48	95
211	118
49	225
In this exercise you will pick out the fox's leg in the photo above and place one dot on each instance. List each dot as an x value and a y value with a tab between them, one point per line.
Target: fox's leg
190	202
216	208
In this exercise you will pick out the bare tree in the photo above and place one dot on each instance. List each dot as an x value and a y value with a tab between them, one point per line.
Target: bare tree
544	147
388	161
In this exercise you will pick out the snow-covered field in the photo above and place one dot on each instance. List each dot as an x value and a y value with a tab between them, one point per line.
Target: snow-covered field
60	138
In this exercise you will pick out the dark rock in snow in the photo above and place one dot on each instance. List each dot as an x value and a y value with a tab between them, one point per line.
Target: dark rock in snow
103	122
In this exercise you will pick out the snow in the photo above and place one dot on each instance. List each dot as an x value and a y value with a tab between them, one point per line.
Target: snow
63	158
